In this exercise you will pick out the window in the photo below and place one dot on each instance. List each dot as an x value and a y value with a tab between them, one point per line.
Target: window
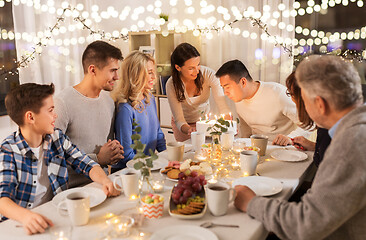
7	54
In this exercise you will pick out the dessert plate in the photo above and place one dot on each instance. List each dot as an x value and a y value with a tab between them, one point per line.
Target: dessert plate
157	164
289	155
183	232
173	206
262	186
97	196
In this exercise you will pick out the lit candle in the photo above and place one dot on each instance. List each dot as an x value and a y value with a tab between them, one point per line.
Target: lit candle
158	187
230	114
212	180
133	197
200	119
215	117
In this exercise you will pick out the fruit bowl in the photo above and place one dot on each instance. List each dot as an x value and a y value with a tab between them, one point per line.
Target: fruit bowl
173	206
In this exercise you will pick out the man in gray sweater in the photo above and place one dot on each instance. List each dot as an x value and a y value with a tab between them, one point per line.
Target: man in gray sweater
335	206
86	110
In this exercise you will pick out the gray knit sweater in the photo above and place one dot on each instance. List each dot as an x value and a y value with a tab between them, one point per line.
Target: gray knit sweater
88	122
335	206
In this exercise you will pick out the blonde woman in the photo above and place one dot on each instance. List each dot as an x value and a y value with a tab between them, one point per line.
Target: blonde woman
135	101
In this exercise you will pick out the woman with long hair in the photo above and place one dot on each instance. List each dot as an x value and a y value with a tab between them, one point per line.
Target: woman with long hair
135	102
323	139
188	90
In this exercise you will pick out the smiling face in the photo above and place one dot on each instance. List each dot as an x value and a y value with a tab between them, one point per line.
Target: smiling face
151	77
106	77
233	90
190	69
44	121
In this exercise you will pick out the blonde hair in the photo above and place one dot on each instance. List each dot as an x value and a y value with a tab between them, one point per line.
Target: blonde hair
133	80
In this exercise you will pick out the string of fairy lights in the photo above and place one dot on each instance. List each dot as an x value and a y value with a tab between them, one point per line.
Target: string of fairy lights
84	19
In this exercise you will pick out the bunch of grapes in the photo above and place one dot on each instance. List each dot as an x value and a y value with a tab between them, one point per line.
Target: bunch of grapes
188	186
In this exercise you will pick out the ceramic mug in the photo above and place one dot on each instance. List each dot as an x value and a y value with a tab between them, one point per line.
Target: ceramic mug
78	208
219	195
248	162
261	142
198	139
130	182
175	151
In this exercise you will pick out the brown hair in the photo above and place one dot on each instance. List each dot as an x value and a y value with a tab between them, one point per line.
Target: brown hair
294	91
98	53
180	55
26	97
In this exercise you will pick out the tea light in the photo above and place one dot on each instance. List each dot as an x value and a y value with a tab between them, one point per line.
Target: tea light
122	225
61	236
212	180
133	197
200	158
158	187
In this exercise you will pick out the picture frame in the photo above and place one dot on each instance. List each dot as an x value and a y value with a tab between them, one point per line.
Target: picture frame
148	50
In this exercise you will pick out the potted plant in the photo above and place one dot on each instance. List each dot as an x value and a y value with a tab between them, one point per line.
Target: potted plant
144	162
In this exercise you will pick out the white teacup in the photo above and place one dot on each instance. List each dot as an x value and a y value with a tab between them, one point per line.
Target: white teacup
175	151
248	162
78	208
130	182
227	140
260	141
198	139
218	198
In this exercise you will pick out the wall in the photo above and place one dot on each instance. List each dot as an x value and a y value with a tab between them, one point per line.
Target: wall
6	127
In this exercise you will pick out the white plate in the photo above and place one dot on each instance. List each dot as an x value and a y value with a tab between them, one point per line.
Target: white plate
262	186
183	232
166	175
289	155
157	164
97	196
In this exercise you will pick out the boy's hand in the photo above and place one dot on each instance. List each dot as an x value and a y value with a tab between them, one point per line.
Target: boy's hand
110	153
35	223
109	189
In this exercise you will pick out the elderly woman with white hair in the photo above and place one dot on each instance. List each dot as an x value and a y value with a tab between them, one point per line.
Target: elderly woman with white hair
335	206
136	103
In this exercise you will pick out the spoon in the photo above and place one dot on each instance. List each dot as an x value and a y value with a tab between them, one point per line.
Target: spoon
211	224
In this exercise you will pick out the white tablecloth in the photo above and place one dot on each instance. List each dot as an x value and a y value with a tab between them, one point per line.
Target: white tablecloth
290	173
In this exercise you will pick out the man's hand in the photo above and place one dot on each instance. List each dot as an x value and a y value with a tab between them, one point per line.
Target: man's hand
282	140
243	197
35	223
110	153
109	189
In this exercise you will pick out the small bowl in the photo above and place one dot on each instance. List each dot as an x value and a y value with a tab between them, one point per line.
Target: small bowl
251	148
153	211
173	206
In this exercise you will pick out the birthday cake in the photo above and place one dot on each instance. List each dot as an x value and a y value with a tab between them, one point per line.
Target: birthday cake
202	125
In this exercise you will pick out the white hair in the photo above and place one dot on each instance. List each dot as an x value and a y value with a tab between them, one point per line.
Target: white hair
332	78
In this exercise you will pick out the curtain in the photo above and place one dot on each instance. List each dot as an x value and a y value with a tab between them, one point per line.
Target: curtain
60	60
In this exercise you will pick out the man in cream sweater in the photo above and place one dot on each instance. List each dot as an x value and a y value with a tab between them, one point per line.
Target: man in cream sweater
263	107
335	205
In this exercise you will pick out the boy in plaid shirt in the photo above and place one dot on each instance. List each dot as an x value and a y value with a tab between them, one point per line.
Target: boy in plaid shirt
34	159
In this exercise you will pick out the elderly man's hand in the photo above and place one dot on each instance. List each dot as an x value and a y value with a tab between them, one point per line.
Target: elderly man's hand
243	197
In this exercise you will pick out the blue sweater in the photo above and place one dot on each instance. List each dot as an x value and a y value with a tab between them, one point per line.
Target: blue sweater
151	133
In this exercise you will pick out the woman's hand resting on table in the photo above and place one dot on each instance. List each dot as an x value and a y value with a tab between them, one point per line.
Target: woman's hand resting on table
243	197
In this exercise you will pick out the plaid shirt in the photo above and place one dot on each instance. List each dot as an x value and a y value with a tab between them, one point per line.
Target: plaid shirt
18	166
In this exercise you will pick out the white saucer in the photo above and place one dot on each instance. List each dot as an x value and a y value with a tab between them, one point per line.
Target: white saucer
97	196
289	155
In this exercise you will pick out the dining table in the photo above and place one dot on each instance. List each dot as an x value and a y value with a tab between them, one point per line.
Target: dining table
290	173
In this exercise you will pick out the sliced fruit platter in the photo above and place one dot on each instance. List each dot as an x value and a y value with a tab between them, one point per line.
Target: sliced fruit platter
188	199
174	168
